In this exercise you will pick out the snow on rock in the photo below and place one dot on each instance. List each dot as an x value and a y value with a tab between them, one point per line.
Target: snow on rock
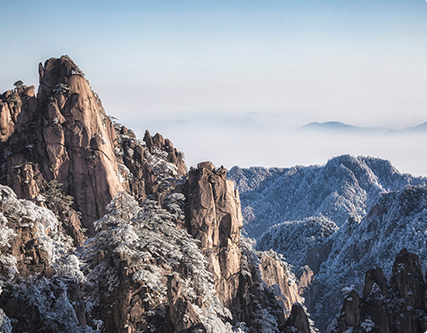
267	293
345	187
398	306
40	274
51	300
24	221
145	267
297	239
397	220
129	260
5	325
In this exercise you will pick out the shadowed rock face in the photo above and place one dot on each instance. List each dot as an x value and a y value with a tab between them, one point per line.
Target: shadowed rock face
298	320
396	306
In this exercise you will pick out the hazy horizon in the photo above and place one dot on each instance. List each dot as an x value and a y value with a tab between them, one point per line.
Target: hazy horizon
246	142
231	81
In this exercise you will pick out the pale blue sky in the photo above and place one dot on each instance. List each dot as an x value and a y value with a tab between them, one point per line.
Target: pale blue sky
274	65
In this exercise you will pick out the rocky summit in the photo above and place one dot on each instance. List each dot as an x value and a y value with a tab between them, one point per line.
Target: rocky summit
103	232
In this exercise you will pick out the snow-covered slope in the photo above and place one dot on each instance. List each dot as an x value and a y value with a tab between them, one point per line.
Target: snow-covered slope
345	187
295	240
398	220
134	256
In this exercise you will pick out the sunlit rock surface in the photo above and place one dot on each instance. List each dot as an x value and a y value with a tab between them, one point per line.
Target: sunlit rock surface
105	232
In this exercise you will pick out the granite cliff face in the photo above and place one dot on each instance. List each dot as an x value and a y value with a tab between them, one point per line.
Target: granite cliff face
63	135
215	220
104	232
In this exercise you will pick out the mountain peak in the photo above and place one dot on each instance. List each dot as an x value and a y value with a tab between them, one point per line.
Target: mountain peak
329	125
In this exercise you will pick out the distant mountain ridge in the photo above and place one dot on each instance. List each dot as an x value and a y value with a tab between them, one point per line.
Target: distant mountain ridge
339	127
346	186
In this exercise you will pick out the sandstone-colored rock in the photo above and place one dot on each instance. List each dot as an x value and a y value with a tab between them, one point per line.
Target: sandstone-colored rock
305	280
62	152
173	155
15	107
7	126
273	273
63	135
253	296
88	172
181	312
215	220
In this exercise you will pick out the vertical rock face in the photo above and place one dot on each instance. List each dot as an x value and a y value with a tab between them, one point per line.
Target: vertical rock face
16	108
78	138
215	220
274	273
61	135
247	283
266	292
297	321
64	135
396	306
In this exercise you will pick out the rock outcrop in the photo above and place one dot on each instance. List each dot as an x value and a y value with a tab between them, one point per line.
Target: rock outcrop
215	220
297	321
103	232
390	307
64	135
34	252
276	274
